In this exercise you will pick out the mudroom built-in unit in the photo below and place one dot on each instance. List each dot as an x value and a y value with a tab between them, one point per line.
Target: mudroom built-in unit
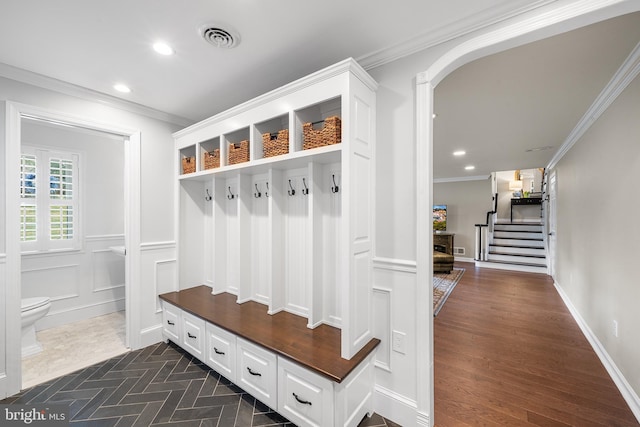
275	202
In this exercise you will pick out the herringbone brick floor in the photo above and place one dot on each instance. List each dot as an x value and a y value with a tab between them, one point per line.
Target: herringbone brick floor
160	385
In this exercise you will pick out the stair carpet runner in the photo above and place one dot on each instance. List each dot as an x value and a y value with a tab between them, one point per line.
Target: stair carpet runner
517	246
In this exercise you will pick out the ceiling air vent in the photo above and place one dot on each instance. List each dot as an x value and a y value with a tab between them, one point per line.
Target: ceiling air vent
219	37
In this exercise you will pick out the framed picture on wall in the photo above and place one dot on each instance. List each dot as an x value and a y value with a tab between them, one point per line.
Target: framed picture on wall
439	217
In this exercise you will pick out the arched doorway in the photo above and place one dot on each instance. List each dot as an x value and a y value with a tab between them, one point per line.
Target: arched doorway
541	24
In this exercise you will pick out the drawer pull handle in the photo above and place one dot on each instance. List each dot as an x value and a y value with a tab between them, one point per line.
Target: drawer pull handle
304	402
218	351
190	336
257	374
170	322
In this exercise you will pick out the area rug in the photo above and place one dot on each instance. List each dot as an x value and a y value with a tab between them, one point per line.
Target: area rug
443	284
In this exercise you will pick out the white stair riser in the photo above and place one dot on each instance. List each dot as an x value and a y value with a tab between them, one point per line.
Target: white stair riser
516	235
537	244
512	258
511	227
526	268
521	251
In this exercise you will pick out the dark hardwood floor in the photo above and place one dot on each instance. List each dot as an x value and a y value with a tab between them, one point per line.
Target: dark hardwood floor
508	353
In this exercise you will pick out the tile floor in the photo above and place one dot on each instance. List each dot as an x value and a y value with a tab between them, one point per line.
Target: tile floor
160	385
77	345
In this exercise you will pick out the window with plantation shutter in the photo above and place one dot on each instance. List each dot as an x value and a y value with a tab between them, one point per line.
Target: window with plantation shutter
28	218
49	200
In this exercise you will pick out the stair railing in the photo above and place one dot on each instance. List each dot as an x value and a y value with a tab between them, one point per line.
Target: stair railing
485	229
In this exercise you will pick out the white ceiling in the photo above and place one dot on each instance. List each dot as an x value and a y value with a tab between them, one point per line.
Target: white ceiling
498	107
495	107
95	44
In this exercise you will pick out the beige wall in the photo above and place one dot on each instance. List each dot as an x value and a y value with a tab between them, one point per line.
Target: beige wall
467	204
598	230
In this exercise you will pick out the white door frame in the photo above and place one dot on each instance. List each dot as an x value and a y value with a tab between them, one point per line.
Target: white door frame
541	23
552	186
11	378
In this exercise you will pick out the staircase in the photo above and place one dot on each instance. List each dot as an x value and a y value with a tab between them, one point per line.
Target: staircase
516	246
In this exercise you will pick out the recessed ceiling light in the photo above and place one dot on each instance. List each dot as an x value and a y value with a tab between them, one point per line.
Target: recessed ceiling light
469	168
163	48
122	88
459	153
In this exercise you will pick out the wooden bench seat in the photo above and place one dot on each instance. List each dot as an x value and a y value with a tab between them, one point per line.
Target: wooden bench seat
283	333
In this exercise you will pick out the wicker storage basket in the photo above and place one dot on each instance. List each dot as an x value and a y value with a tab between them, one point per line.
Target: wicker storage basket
188	164
275	144
331	133
239	152
212	159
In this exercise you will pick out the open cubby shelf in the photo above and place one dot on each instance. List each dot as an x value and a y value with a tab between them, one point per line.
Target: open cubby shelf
291	231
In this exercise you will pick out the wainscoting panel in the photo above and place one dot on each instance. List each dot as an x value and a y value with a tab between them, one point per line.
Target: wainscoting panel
158	274
108	270
394	285
166	278
58	282
382	327
81	284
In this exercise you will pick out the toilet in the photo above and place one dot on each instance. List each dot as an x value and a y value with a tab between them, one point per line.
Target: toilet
33	309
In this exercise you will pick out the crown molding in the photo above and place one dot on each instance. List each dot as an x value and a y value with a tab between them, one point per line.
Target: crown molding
542	23
45	82
446	33
461	179
627	72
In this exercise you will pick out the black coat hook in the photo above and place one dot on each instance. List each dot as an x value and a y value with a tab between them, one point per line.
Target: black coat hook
230	196
305	190
257	194
291	192
335	187
266	193
208	197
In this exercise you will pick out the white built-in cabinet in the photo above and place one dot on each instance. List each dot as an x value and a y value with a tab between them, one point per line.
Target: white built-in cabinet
296	392
241	228
220	351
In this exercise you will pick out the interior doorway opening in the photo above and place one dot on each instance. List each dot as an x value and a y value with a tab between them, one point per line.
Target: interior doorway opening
16	116
72	248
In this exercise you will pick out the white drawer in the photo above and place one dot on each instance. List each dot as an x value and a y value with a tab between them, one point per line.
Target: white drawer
221	351
193	334
257	372
304	397
171	322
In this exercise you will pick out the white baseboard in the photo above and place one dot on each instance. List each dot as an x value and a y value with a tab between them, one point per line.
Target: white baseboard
150	336
63	317
629	395
395	407
4	388
463	259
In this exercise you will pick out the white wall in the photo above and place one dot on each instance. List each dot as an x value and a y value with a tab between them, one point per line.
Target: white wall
467	205
395	286
598	231
89	282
